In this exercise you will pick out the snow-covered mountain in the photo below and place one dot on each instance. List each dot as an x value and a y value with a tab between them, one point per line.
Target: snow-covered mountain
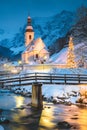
48	28
5	52
79	31
52	28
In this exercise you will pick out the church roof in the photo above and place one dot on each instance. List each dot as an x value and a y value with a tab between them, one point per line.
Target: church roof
36	45
39	44
29	46
29	29
44	51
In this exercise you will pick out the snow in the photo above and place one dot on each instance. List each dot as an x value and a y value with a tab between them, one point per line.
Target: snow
66	91
79	45
39	45
69	71
61	91
53	27
29	27
17	50
1	128
61	57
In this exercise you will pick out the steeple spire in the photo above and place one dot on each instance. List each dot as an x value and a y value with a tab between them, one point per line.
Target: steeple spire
29	21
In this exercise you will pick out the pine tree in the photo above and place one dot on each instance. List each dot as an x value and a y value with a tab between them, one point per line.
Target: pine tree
70	55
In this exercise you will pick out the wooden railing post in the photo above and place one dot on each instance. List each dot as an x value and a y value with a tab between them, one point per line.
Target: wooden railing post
35	77
51	78
20	81
65	78
79	79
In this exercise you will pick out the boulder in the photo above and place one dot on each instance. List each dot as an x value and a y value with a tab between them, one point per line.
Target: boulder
64	125
4	120
85	101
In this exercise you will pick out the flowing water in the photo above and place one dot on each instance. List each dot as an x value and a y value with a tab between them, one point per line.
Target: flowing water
23	117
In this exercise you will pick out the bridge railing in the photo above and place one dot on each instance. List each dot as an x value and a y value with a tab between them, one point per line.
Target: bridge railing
45	78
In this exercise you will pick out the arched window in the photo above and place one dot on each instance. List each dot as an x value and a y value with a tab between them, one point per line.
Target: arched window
30	37
37	56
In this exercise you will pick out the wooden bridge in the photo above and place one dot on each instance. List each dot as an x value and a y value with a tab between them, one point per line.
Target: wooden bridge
44	78
37	79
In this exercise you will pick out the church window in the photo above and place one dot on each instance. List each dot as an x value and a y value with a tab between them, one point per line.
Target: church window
36	56
29	36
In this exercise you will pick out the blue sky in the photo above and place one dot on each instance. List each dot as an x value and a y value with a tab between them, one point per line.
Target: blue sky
37	7
13	13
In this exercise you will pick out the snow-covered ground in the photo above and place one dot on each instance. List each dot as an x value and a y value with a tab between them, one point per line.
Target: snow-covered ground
66	91
70	93
70	71
1	128
53	68
60	57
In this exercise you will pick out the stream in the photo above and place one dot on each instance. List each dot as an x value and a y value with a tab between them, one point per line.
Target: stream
22	116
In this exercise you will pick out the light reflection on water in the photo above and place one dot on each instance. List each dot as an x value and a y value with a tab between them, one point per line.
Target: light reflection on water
75	116
47	119
82	121
19	101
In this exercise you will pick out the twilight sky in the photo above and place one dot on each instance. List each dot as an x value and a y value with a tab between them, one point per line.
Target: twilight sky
13	13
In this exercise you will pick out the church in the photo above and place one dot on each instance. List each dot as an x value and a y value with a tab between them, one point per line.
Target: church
35	50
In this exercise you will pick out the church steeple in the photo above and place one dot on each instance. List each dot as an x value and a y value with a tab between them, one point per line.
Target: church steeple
29	27
29	35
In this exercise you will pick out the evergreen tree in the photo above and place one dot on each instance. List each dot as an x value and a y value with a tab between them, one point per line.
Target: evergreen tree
70	55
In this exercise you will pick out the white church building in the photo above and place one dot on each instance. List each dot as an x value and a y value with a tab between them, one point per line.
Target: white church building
35	51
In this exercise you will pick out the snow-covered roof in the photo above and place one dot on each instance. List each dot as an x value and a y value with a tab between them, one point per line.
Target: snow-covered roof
39	44
36	45
29	27
28	47
44	51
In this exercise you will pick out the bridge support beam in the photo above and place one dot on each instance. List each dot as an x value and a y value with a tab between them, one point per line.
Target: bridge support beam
37	101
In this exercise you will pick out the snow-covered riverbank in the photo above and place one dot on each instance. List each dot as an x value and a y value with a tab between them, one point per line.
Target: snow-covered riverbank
56	93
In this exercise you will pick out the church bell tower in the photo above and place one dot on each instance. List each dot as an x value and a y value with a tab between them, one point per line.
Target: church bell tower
29	34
